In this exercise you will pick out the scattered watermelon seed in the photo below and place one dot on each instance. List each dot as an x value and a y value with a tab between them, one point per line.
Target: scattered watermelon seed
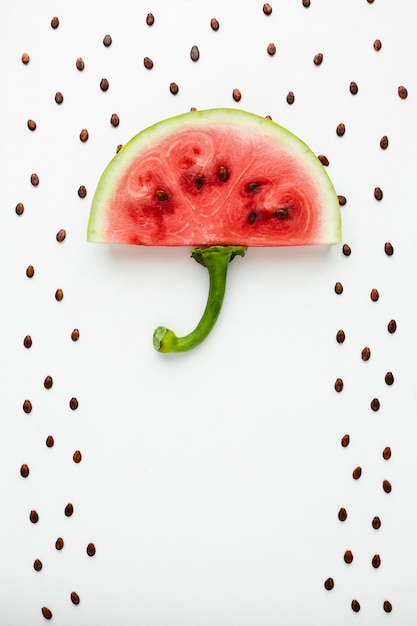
27	406
346	249
91	549
383	143
59	98
387	606
54	22
402	92
174	89
49	441
357	473
342	515
290	97
376	523
378	193
377	44
388	248
24	470
48	382
254	187
389	378
199	181
323	160
223	174
20	208
375	404
306	3
338	385
366	354
114	120
75	598
59	294
34	179
148	63
376	561
236	95
31	124
107	40
47	613
34	517
340	336
84	135
37	565
59	543
194	53
150	19
82	191
252	217
356	607
30	271
318	58
340	129
271	49
25	58
348	557
267	9
338	288
73	404
69	509
79	64
329	584
61	234
77	456
345	441
374	295
214	23
386	486
161	194
342	200
353	88
104	84
27	341
386	453
75	334
119	147
392	326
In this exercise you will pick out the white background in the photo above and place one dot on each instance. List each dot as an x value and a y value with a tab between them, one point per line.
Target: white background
210	481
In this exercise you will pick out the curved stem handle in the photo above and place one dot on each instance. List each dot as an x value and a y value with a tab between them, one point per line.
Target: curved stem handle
216	259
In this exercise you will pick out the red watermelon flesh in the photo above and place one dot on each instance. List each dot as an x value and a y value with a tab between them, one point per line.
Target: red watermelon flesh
215	177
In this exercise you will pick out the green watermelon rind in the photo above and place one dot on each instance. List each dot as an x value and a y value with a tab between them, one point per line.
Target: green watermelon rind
209	118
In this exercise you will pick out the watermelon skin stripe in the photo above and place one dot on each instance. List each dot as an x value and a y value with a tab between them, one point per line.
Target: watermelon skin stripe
215	177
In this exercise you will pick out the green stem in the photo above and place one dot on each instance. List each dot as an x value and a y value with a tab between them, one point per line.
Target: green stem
216	259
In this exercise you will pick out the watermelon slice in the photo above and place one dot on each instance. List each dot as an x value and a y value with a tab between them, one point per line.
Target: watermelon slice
221	180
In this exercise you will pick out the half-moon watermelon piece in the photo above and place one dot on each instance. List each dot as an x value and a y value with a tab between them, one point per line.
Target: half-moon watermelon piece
222	180
215	177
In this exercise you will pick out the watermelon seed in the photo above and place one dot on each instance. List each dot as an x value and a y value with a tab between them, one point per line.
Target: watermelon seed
27	406
34	179
346	249
338	385
375	404
267	9
198	182
69	509
384	142
386	453
77	456
91	549
353	88
389	378
386	486
59	294
25	58
75	598
49	442
236	95
329	584
342	515
150	19
174	89
253	186
378	193
104	84
376	523
20	208
345	441
271	49
366	354
33	516
48	382
37	565
47	613
107	40
55	22
59	543
223	173
306	3
338	288
31	124
290	97
27	341
75	334
387	606
84	135
318	58
148	63
79	64
214	23
377	44
114	120
402	92
323	160
281	213
374	295
356	607
82	191
376	561
340	336
340	129
252	217
30	271
392	326
24	470
161	195
73	403
348	557
357	473
389	248
342	200
59	98
61	234
194	53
